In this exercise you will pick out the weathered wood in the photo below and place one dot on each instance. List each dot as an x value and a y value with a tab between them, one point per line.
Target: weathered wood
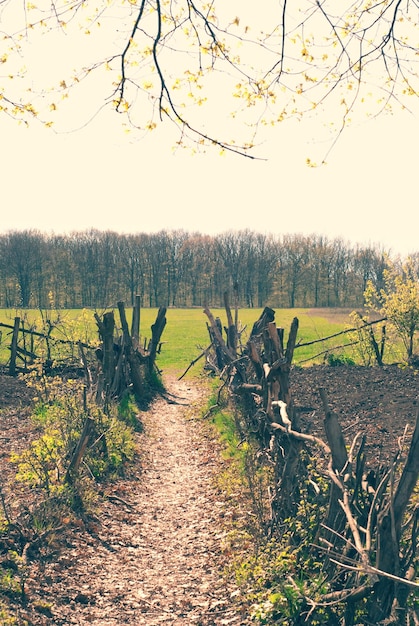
335	520
108	328
341	332
133	361
228	356
231	327
257	389
106	355
14	346
120	381
236	305
255	359
124	361
288	486
25	353
219	358
194	361
292	339
87	372
35	333
267	315
156	332
360	524
389	531
277	397
136	315
334	435
79	451
274	337
409	478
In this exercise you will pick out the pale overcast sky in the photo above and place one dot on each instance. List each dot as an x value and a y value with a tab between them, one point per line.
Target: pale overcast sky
101	177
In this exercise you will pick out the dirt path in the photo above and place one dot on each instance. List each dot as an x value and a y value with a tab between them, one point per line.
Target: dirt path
153	557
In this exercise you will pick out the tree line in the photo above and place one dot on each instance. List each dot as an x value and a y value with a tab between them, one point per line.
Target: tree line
176	268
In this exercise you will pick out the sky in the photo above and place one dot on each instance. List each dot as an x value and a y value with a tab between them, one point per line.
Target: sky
100	177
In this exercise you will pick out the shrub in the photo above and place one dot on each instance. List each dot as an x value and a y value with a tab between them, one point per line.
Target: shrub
60	415
337	360
6	619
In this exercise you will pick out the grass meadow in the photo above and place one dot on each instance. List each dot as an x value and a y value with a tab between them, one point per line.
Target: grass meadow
186	331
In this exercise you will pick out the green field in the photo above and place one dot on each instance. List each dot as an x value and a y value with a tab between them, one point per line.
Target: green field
186	332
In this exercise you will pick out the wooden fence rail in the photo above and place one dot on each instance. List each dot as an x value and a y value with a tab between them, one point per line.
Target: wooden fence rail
20	351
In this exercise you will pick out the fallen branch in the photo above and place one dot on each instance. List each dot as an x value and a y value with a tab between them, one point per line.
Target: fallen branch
370	569
112	498
192	363
30	545
80	450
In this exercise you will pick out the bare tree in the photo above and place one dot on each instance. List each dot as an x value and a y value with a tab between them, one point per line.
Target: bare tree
295	260
133	272
23	262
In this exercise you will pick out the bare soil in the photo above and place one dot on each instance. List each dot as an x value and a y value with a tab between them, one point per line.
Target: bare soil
379	402
152	553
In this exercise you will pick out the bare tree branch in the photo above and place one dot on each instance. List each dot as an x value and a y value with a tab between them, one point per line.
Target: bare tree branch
312	56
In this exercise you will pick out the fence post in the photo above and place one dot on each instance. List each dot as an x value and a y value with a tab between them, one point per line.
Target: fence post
133	361
13	347
135	326
156	332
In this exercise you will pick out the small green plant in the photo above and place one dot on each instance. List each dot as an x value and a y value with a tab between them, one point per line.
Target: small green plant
9	585
60	415
225	426
277	585
369	339
4	524
277	573
13	575
6	619
337	360
112	448
41	465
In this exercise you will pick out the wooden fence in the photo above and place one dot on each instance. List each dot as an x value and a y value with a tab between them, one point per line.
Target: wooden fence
360	534
117	362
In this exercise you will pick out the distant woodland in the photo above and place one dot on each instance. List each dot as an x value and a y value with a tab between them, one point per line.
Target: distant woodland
176	268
